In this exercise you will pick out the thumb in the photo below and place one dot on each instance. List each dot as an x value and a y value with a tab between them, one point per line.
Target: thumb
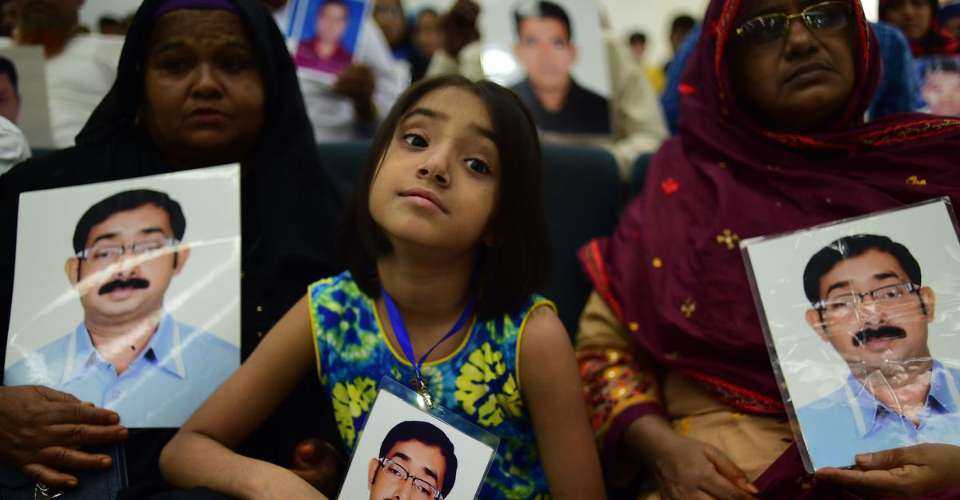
729	470
888	459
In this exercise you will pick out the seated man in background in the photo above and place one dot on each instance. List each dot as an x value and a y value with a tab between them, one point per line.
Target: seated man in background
80	67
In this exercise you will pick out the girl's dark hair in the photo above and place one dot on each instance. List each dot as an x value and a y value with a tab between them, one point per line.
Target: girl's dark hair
515	266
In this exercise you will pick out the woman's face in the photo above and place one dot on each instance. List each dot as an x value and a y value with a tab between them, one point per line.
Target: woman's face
797	81
913	17
204	95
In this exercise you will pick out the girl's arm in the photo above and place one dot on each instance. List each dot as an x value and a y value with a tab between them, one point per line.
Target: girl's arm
551	387
201	453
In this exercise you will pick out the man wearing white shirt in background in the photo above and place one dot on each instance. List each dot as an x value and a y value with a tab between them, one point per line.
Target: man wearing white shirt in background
362	94
80	67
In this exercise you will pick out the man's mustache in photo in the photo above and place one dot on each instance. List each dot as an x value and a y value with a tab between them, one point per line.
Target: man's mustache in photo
886	331
133	283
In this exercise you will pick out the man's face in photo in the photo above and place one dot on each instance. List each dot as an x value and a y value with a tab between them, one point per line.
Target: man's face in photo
545	51
419	461
332	22
128	265
869	313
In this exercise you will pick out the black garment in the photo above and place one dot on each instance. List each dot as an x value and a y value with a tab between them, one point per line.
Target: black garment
584	112
289	209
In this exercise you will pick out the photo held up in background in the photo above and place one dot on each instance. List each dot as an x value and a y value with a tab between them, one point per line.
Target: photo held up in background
323	34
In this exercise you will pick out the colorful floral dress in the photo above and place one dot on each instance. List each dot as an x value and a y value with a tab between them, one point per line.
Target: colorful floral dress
479	380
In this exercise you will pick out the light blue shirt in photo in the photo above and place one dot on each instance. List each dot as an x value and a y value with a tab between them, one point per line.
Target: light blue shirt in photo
176	372
850	421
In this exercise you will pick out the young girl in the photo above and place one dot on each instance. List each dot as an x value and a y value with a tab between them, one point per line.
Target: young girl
446	229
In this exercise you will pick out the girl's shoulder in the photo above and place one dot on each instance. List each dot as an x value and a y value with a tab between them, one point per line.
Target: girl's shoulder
535	305
506	331
336	288
338	298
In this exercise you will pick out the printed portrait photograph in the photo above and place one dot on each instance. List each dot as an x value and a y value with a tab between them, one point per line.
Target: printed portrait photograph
126	294
862	321
23	94
552	54
940	84
405	452
323	35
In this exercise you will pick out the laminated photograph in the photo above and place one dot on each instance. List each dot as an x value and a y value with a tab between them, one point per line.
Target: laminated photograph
861	322
552	54
410	449
323	34
126	294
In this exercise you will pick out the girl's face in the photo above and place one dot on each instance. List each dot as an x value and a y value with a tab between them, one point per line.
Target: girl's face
438	183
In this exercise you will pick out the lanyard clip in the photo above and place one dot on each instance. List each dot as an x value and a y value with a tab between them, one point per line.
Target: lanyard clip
425	397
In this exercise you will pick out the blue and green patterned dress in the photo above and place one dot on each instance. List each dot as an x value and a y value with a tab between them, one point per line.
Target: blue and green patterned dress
479	381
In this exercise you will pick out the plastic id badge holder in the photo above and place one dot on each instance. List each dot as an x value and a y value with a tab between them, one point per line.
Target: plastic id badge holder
861	323
409	446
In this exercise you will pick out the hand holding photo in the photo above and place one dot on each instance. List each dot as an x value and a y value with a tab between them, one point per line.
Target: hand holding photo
873	365
150	294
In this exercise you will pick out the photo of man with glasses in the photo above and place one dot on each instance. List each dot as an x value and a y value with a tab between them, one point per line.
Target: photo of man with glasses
129	354
869	303
416	462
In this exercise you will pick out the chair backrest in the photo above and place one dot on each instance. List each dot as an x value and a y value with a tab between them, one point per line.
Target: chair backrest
582	196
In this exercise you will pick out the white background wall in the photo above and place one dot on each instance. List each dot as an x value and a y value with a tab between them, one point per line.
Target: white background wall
651	16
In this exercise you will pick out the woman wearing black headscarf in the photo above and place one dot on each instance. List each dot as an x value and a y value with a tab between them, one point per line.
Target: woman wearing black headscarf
200	83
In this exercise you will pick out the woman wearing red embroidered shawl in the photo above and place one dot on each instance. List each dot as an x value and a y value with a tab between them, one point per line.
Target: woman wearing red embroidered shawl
671	351
918	21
